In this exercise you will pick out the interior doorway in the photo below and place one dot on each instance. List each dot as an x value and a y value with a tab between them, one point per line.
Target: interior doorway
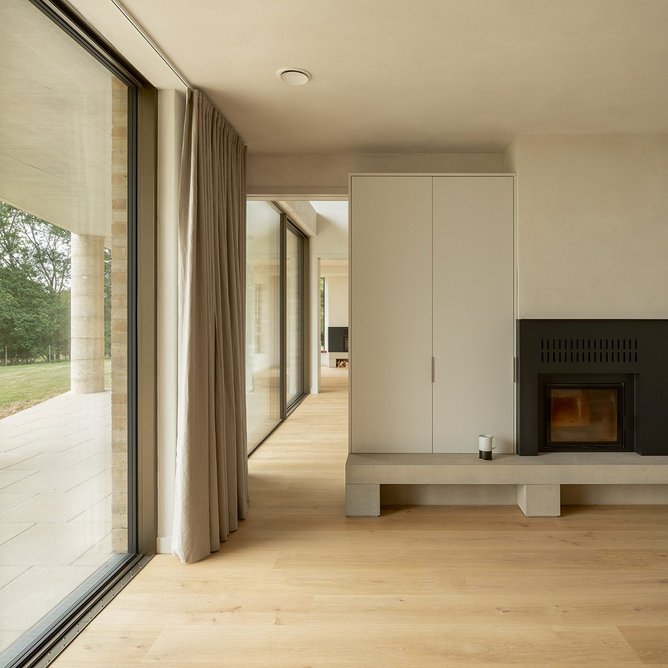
329	287
334	313
296	305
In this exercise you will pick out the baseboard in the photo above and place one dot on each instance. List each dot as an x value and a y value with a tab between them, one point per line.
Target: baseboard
163	545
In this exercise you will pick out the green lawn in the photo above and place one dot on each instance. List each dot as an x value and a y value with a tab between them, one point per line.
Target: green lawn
25	385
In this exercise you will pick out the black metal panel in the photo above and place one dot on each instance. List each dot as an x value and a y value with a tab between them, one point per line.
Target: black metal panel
337	339
637	348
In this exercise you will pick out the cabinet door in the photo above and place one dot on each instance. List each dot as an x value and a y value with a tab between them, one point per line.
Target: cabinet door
390	314
473	312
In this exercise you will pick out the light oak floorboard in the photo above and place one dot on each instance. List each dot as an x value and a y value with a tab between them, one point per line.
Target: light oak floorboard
302	585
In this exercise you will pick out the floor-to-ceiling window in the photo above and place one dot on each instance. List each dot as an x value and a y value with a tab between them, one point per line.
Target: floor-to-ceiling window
66	329
275	309
263	320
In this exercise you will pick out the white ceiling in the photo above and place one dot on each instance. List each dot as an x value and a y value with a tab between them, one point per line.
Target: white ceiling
420	76
55	123
335	211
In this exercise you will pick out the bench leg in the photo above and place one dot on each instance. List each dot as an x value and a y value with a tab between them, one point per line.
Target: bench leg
362	500
539	500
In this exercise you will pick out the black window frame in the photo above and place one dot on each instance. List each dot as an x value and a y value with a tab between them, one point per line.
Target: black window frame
288	225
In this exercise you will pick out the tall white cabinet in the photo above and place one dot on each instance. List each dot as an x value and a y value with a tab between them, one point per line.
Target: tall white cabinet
431	312
390	329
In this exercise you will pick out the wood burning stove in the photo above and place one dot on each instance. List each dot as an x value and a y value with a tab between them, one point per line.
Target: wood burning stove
586	412
594	385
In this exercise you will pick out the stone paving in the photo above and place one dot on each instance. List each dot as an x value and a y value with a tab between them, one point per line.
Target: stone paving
55	504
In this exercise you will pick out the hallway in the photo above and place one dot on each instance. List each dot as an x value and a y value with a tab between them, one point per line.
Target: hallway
301	585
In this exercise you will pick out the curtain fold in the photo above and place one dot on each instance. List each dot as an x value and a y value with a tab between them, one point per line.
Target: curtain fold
211	486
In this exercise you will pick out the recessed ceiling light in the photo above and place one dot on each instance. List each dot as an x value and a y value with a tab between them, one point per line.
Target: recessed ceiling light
294	77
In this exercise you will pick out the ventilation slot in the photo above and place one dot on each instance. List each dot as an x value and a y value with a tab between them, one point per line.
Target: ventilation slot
588	351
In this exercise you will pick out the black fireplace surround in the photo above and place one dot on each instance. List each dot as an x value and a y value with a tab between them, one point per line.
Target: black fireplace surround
628	359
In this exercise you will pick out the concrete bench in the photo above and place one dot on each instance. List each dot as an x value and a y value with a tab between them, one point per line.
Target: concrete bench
537	479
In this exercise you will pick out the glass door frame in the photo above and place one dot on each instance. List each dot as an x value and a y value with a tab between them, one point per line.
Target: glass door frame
289	225
281	323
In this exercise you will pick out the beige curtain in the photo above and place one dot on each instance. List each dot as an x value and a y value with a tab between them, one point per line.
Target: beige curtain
211	462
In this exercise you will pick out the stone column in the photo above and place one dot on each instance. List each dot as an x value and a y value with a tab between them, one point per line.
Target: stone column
87	344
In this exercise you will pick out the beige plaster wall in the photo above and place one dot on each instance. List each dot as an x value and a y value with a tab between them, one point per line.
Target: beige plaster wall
592	225
327	174
171	110
337	301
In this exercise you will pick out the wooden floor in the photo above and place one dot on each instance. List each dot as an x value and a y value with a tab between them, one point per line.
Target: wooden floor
301	585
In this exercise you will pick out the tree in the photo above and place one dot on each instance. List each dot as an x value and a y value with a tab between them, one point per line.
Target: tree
34	286
27	319
42	249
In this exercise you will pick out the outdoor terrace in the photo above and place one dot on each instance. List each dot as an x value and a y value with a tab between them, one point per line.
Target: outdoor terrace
55	504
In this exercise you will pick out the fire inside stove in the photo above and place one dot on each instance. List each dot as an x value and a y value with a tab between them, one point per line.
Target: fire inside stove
585	416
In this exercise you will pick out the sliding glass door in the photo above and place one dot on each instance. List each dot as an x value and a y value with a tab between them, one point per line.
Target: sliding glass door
275	318
66	326
263	320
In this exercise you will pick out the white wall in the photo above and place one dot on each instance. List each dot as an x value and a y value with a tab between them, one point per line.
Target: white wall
592	225
278	176
171	109
332	239
336	296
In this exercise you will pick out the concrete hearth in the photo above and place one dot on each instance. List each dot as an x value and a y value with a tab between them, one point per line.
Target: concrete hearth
537	479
